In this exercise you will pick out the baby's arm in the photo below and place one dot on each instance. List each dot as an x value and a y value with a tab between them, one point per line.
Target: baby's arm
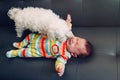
60	65
68	20
25	42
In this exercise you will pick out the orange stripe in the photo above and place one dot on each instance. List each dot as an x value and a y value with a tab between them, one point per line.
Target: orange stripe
24	53
64	51
43	46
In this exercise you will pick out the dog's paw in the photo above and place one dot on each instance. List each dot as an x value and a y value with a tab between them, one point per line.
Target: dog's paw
19	35
62	39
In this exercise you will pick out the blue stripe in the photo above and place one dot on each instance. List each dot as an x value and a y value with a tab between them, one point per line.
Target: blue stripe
28	53
20	53
47	43
25	41
59	44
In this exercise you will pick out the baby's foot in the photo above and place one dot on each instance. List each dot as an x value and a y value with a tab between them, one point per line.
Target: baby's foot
16	45
9	54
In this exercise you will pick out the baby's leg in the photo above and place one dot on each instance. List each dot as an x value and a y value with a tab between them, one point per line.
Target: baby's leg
23	52
68	21
25	42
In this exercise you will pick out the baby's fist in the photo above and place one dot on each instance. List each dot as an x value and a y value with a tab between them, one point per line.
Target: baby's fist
60	70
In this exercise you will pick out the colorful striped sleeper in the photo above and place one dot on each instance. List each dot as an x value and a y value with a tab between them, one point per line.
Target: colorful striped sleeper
36	45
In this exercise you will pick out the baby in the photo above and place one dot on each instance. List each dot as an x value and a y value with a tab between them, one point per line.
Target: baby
37	45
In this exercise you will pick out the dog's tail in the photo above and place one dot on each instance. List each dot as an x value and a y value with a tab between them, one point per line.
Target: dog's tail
12	12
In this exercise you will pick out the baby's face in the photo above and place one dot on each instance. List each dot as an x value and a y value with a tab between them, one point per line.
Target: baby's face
77	46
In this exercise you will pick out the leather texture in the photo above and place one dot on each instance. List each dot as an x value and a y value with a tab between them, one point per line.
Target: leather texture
96	20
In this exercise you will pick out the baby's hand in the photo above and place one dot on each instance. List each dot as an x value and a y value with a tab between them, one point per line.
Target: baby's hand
60	69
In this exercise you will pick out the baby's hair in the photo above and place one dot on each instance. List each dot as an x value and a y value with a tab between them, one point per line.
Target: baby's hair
89	48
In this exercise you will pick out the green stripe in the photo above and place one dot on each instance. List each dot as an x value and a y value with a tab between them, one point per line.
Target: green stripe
51	44
33	45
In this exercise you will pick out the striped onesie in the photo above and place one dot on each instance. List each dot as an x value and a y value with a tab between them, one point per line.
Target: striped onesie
36	45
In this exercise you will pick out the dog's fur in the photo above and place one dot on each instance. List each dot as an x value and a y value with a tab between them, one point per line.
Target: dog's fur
40	20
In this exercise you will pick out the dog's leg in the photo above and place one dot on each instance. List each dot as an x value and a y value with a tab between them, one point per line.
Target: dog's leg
19	29
61	37
51	35
19	32
69	34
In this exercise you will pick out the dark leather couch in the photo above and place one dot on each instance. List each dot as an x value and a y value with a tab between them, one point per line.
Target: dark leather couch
96	20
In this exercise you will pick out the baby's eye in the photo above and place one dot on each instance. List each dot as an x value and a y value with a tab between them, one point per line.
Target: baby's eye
76	42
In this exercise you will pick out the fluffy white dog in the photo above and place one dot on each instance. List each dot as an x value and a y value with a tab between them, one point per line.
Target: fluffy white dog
40	20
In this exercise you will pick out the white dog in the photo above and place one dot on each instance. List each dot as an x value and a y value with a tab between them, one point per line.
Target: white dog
40	20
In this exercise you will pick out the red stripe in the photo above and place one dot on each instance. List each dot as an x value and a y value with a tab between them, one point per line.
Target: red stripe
64	48
28	38
43	46
64	57
56	46
24	53
51	57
